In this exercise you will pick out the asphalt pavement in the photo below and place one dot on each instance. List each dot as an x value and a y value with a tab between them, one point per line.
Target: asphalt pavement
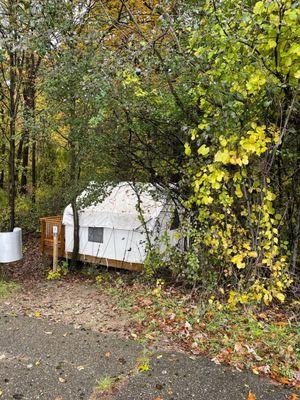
51	361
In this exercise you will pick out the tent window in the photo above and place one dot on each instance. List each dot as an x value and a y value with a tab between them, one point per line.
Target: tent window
96	235
175	220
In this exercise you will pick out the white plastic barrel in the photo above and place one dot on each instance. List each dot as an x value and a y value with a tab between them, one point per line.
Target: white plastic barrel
11	246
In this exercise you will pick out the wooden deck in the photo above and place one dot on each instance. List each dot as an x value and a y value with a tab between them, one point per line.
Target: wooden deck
108	262
46	246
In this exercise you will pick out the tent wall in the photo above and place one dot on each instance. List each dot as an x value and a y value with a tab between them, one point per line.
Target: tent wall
162	226
118	244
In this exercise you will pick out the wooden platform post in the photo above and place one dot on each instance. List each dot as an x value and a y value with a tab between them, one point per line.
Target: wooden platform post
55	248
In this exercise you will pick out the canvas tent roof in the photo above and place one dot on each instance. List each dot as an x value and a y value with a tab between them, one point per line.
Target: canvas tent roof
119	209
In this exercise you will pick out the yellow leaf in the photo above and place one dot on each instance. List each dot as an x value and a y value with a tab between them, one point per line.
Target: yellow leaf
271	44
252	254
251	396
143	368
223	141
203	150
280	297
255	82
238	261
222	156
258	8
245	160
187	149
247	246
238	191
219	175
243	299
207	200
267	298
270	196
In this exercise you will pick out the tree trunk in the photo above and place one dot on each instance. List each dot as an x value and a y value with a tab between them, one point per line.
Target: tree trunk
33	169
25	159
75	252
29	115
296	243
12	142
2	148
2	170
73	182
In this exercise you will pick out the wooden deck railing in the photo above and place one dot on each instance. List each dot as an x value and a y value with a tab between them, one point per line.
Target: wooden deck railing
46	244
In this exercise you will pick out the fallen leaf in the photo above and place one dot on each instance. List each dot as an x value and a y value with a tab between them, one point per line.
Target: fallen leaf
280	323
294	396
263	315
188	326
159	386
251	396
296	375
147	302
283	380
143	368
253	352
61	380
238	347
216	360
265	369
107	354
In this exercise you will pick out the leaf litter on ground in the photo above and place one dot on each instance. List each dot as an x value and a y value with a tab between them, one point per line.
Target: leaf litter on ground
266	343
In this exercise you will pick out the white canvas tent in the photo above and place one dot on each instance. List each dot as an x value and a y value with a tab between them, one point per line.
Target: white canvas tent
112	232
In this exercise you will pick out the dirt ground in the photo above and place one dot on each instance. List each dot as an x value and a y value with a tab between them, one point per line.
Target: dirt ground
74	300
70	302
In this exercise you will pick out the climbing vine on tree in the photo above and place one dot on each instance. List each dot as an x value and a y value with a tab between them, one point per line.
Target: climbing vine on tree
248	59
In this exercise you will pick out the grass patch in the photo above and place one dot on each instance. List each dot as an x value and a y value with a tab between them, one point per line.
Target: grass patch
105	384
7	288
